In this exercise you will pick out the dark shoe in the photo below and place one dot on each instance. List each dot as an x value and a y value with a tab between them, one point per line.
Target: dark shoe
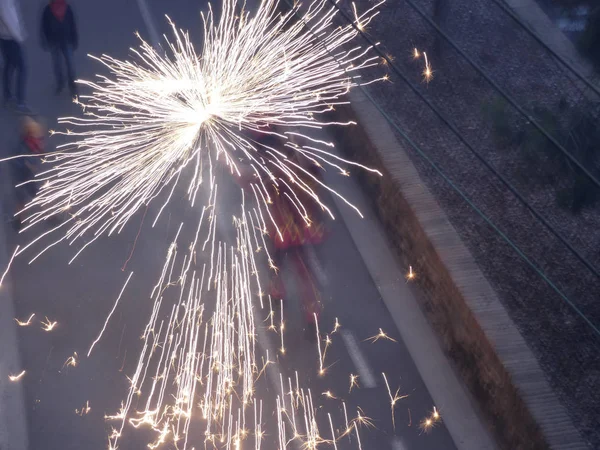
22	109
73	90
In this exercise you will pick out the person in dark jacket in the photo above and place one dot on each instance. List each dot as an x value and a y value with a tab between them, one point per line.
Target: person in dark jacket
59	36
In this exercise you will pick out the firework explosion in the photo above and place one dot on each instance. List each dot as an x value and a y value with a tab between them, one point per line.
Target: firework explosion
162	127
267	74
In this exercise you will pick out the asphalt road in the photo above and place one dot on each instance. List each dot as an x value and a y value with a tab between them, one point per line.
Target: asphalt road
80	296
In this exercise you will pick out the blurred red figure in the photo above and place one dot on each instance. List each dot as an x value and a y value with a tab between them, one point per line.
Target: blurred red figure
293	233
32	143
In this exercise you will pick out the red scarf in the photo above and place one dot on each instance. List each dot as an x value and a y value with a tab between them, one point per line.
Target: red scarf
59	9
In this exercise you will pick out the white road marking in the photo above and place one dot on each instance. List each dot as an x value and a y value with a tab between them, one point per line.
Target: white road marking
316	266
398	444
367	379
147	17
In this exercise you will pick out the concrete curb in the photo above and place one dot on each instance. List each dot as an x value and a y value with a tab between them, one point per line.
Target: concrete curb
492	356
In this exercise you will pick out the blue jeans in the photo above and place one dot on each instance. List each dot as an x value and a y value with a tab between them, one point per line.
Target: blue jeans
60	52
14	61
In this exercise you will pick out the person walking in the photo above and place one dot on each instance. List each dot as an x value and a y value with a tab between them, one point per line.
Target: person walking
12	35
59	36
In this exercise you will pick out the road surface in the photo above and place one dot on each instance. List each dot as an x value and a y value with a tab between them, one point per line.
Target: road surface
80	296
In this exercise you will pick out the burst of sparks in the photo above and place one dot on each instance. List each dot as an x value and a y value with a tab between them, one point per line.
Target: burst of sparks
353	382
144	126
410	275
416	54
328	394
427	72
430	421
321	355
84	410
393	399
15	378
363	420
25	323
48	325
72	361
261	75
327	345
435	415
380	335
357	21
336	326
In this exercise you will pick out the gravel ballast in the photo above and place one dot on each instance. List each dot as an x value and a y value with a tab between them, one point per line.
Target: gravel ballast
546	314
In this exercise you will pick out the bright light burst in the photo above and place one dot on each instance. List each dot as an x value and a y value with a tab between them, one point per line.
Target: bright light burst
169	119
152	118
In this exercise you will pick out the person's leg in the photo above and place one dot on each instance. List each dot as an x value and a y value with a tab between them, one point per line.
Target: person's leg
68	54
56	54
8	68
21	72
